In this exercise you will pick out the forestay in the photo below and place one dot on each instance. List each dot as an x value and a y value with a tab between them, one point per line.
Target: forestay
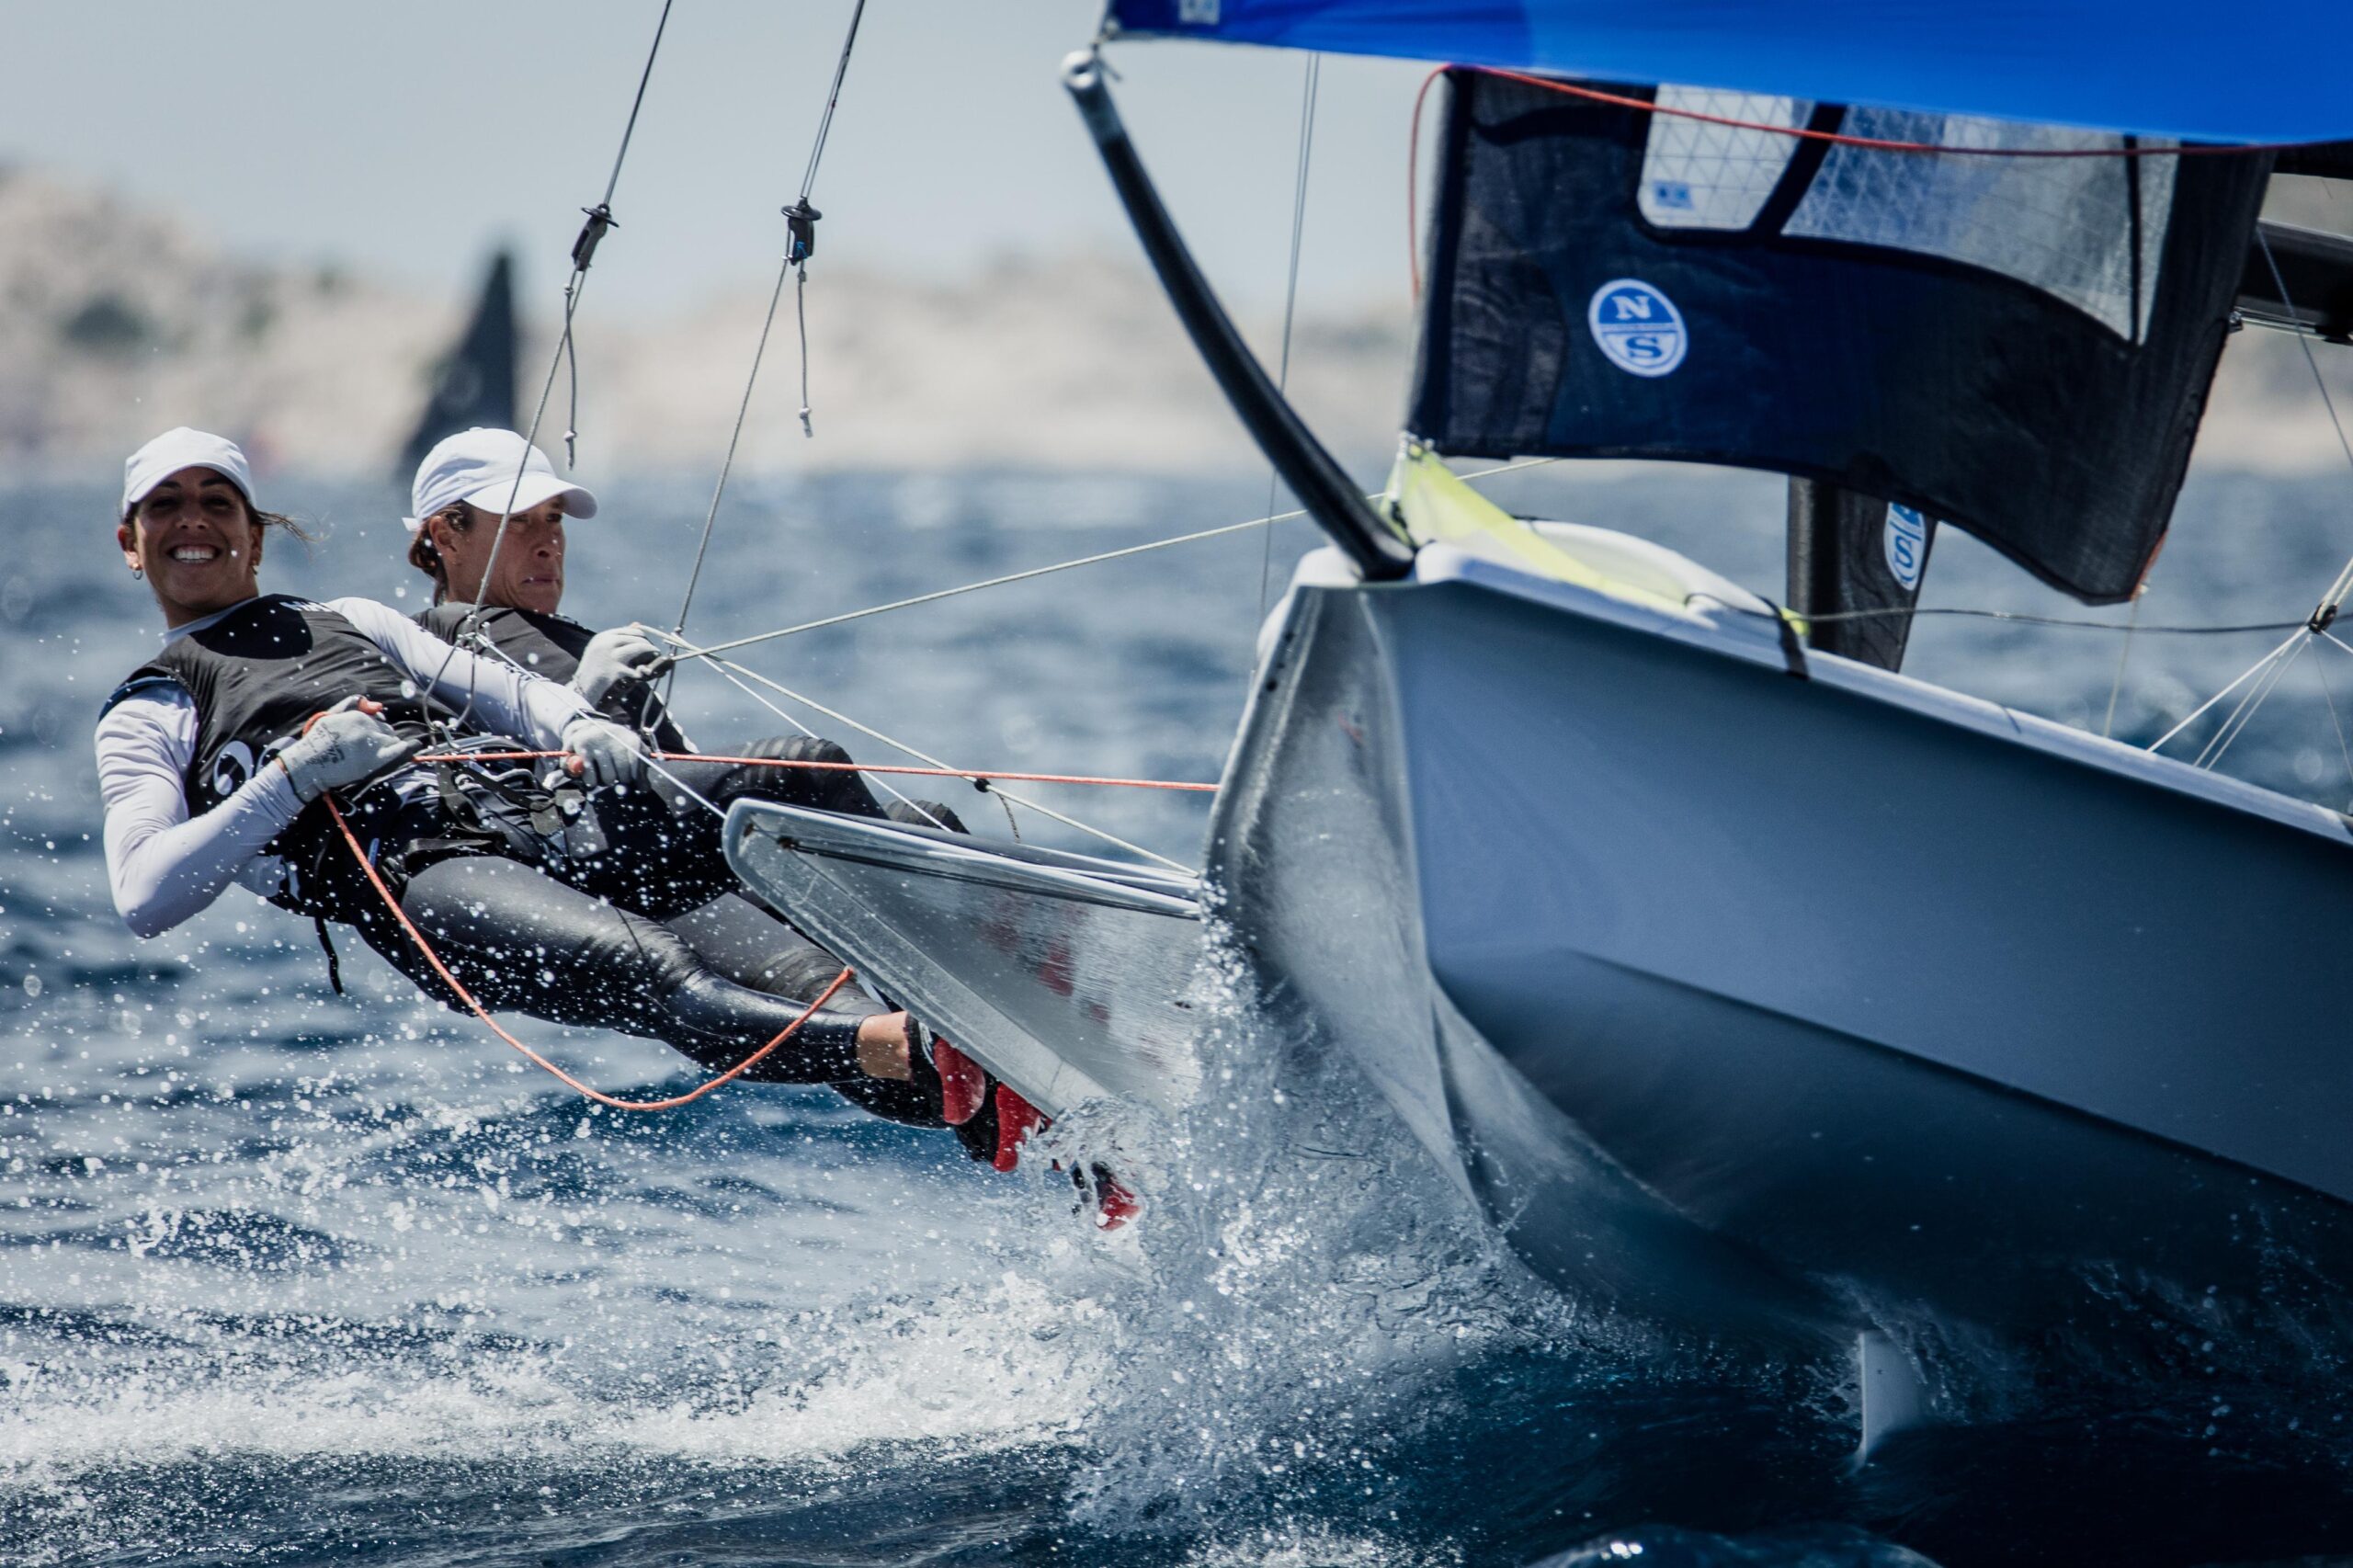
2162	67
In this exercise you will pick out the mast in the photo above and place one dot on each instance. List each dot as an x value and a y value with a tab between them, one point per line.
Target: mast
1323	488
1851	554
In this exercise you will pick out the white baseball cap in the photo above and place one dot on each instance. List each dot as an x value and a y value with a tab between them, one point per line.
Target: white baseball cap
182	447
479	467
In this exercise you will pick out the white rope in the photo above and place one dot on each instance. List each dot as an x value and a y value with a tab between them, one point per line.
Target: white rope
2260	663
883	781
728	665
2244	715
725	666
934	597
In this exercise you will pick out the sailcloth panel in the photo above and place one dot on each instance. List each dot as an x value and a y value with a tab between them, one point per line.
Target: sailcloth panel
2158	67
2019	347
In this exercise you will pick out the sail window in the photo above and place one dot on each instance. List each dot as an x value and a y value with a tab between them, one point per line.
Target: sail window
2088	230
1700	175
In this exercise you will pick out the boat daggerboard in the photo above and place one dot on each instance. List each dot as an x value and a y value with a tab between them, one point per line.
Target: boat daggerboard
1070	978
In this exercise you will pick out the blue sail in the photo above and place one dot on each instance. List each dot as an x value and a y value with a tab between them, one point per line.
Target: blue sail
2160	67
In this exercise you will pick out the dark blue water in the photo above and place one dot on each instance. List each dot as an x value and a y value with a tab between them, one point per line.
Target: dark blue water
287	1278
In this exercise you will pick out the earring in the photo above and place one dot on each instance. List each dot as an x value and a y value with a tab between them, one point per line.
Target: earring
138	571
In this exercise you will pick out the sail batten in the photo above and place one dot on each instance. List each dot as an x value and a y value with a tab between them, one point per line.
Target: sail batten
2157	67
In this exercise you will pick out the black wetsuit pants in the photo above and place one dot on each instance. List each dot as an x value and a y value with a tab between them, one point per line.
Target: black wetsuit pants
570	927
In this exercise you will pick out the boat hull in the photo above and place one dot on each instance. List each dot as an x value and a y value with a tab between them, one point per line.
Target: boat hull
1925	1007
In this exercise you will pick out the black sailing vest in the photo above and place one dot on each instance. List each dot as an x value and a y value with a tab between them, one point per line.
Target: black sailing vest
256	676
551	646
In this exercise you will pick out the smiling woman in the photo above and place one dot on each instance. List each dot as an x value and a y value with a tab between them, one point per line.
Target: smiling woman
195	535
215	758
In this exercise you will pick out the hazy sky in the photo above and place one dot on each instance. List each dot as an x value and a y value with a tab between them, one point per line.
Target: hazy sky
405	139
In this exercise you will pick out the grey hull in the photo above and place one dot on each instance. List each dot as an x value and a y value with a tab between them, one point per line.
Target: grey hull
1698	973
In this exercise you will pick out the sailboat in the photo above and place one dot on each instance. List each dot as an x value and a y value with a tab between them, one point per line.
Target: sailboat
1742	981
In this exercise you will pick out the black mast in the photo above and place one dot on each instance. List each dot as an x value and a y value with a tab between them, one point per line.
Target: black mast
1323	488
1841	546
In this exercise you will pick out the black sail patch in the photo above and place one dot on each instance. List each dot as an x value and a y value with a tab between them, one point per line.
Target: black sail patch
2020	347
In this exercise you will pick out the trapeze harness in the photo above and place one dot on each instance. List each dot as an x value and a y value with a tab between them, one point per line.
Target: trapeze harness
551	646
437	836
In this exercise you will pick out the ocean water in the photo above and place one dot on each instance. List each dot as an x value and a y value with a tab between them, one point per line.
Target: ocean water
288	1277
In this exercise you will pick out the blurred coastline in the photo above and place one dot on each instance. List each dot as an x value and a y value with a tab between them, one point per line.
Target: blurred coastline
117	321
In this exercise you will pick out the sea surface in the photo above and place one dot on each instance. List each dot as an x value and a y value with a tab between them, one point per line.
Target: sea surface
290	1278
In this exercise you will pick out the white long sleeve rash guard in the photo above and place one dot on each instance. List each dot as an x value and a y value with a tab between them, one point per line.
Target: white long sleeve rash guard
164	865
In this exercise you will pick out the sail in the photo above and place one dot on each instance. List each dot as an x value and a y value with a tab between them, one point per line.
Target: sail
2020	347
2114	64
474	384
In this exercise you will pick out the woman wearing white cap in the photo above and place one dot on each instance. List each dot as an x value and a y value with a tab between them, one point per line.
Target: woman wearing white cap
505	603
212	769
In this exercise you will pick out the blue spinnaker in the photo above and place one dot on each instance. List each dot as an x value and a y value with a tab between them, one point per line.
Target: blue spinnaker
2160	67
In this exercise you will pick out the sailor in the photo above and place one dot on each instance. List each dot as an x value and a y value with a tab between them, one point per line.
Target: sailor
508	606
216	754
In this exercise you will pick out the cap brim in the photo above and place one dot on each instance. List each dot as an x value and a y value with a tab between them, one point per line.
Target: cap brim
536	488
135	493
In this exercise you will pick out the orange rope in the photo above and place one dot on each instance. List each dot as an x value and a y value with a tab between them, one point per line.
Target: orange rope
540	1062
978	778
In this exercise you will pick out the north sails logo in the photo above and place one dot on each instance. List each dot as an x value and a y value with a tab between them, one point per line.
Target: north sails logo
1196	13
1637	327
1907	542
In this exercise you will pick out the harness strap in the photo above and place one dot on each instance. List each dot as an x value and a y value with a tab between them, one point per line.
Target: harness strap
334	959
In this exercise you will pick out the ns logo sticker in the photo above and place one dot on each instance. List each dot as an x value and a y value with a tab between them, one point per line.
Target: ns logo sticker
1907	542
1637	327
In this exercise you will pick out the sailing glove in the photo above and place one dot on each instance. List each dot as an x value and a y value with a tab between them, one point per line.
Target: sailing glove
620	657
343	746
608	753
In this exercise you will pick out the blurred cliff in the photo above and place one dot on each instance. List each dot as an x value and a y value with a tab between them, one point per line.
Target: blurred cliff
116	322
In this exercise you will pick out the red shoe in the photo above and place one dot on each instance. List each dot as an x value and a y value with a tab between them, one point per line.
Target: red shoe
1114	1204
963	1083
1016	1119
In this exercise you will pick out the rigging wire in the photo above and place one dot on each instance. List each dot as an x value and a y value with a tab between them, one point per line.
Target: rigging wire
2244	675
1313	77
584	253
2333	600
2271	667
2123	657
2249	705
2320	670
738	675
689	651
2129	628
800	220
